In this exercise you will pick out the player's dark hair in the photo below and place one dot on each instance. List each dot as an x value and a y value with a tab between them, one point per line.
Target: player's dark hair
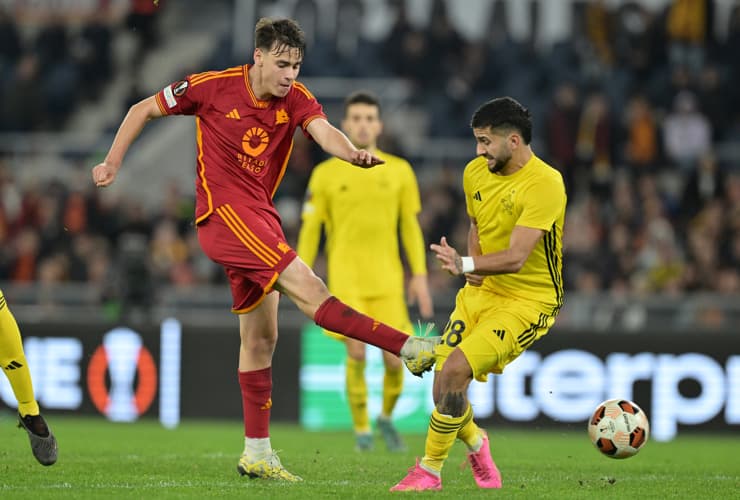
361	97
279	35
506	113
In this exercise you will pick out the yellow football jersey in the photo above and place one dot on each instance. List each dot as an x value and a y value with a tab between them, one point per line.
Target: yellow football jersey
534	196
362	211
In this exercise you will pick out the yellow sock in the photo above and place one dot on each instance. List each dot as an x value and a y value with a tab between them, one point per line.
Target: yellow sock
392	387
357	395
441	436
13	362
471	434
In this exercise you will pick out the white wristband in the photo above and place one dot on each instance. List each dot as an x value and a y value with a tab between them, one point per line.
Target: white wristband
468	266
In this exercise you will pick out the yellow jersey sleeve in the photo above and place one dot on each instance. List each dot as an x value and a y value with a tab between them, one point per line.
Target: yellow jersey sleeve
312	219
411	234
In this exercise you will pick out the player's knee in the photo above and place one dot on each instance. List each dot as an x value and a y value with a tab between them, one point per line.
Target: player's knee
456	373
304	288
392	363
356	350
259	344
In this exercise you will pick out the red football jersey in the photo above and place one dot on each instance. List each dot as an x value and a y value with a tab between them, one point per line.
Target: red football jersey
243	143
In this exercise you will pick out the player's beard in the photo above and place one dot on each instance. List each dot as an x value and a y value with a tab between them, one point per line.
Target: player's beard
501	161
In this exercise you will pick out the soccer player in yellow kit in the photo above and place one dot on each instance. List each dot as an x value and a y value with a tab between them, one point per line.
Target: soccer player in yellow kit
14	365
361	212
514	290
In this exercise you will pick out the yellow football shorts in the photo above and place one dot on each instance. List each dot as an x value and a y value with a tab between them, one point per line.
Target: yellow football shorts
390	309
491	330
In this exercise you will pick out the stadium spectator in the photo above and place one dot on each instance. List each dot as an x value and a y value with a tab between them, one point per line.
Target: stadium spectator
689	26
642	142
594	144
687	134
22	98
93	49
704	184
562	130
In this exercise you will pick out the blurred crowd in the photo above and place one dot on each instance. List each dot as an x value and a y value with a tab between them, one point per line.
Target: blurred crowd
49	69
635	109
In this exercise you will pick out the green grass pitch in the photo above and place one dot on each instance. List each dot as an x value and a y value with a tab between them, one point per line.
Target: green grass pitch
99	459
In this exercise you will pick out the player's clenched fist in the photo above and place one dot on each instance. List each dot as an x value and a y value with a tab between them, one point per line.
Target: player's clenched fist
104	174
362	158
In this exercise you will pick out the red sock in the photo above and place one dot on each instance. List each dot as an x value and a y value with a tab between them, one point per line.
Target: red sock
256	391
338	317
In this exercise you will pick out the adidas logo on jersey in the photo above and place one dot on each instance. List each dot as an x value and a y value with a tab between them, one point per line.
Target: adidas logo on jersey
233	114
14	365
477	196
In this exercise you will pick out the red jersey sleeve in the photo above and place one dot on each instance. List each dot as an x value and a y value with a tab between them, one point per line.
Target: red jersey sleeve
305	107
180	97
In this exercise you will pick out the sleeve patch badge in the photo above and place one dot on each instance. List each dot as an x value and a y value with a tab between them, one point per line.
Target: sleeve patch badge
180	88
169	97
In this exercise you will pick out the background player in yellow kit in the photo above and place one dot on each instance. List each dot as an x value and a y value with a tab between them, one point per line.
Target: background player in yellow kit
14	365
361	212
514	290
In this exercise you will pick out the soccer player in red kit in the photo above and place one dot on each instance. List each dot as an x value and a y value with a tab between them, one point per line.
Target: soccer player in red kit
245	119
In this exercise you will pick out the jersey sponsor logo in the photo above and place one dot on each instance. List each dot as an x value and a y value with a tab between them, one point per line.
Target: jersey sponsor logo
180	88
499	333
255	141
283	247
477	196
508	203
169	97
233	114
281	116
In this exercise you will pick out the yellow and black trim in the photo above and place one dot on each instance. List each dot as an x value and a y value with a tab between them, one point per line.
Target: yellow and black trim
554	266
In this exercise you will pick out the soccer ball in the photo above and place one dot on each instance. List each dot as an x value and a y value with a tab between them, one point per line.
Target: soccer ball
618	428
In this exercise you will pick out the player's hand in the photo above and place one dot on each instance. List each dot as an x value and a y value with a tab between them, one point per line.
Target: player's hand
364	159
418	292
474	279
448	257
103	174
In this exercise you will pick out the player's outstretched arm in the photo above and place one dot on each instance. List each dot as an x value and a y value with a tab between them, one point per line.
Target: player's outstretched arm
104	173
522	242
334	142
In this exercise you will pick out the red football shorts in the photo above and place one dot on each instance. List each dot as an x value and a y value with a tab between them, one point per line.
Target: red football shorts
251	247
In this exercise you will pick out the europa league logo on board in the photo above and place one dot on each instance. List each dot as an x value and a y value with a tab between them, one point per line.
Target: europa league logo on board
132	373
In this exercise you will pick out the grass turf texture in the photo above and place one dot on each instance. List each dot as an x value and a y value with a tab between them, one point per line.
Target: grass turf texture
99	459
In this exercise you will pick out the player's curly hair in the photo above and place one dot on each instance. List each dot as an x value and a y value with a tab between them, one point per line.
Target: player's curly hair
279	35
504	112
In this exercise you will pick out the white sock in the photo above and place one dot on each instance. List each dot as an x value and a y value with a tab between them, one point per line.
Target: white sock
257	448
409	349
475	447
